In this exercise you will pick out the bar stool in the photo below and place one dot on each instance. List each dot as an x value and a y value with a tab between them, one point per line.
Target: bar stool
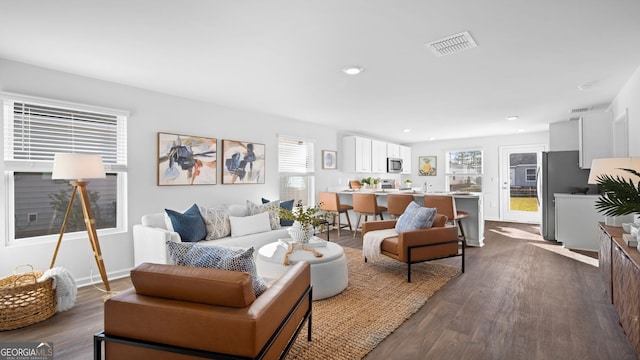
397	203
446	205
355	184
366	204
329	201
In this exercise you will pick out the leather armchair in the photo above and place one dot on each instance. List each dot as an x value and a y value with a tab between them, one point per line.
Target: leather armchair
411	247
177	312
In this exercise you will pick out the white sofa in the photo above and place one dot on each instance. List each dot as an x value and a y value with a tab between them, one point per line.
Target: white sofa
150	237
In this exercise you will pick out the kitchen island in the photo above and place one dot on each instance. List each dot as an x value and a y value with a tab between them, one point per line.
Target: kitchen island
473	225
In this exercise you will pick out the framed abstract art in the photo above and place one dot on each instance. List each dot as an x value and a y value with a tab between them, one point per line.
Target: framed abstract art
186	160
244	162
329	159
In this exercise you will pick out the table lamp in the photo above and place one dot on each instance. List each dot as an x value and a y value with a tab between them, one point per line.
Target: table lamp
77	168
615	201
613	167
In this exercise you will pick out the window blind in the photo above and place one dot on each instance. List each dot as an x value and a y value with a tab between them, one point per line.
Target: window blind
295	156
35	131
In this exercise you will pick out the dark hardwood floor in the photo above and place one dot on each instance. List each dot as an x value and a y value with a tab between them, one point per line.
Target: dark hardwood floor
520	298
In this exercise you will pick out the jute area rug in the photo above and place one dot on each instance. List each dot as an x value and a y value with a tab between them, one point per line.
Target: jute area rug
377	300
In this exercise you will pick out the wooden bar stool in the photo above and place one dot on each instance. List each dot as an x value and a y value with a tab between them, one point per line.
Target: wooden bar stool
446	205
329	201
397	203
366	204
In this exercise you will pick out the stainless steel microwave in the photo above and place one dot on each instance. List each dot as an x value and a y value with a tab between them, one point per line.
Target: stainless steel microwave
394	165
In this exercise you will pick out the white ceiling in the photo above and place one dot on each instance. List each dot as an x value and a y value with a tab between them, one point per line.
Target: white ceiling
285	57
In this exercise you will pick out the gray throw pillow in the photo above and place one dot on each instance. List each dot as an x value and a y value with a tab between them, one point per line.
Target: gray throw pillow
217	222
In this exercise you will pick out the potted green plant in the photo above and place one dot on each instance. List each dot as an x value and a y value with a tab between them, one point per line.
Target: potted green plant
371	182
304	221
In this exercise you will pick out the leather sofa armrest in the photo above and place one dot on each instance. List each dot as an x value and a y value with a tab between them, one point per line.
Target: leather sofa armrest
378	225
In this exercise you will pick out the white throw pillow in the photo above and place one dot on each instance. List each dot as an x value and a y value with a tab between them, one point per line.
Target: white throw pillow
247	225
272	208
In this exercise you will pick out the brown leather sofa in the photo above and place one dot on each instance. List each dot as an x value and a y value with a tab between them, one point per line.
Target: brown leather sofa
411	247
177	312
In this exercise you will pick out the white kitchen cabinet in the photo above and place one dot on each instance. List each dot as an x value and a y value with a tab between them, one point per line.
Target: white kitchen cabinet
405	155
357	154
577	221
563	135
393	151
595	138
379	156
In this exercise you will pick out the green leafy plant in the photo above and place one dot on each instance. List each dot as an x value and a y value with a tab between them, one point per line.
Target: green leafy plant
620	196
370	180
310	216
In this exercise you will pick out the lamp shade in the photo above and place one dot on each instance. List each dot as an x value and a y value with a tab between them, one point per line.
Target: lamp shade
613	167
78	167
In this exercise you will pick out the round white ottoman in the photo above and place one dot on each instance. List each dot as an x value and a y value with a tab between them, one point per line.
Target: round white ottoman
329	274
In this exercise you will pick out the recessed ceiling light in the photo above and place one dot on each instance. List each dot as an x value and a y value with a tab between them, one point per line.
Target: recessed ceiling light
406	130
520	130
511	118
352	70
585	87
432	138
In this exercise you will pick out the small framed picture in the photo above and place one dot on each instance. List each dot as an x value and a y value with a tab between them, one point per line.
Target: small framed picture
427	165
329	159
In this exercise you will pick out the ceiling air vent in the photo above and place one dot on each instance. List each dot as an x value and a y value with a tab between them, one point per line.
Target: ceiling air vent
452	44
579	110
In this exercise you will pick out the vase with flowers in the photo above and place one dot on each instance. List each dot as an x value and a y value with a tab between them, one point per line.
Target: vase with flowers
304	221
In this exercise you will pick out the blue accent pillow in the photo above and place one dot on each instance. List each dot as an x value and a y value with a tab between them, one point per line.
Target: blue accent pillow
285	205
217	257
415	217
189	224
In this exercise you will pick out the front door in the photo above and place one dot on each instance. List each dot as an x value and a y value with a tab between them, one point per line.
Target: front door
519	167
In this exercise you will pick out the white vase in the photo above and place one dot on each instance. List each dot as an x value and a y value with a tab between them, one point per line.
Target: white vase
300	235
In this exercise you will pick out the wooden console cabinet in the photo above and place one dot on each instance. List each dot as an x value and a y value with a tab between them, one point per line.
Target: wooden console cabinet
620	269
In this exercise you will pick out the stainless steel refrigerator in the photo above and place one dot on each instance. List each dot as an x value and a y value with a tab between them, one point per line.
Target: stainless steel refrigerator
559	173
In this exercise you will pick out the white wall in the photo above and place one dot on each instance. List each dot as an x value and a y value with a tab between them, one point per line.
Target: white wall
491	163
629	99
150	113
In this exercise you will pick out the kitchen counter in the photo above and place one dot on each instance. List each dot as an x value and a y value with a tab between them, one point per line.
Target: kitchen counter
470	202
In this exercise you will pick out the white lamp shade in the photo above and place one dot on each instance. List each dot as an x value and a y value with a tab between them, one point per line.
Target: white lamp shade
78	167
613	167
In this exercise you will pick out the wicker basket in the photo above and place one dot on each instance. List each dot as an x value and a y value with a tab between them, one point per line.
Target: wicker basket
24	300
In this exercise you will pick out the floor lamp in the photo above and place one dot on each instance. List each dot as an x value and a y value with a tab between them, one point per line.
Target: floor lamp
80	167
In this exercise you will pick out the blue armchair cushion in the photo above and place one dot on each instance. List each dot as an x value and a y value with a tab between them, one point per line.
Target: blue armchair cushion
415	217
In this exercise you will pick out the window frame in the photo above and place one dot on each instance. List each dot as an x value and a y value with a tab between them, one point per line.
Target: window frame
527	175
11	166
307	170
451	175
